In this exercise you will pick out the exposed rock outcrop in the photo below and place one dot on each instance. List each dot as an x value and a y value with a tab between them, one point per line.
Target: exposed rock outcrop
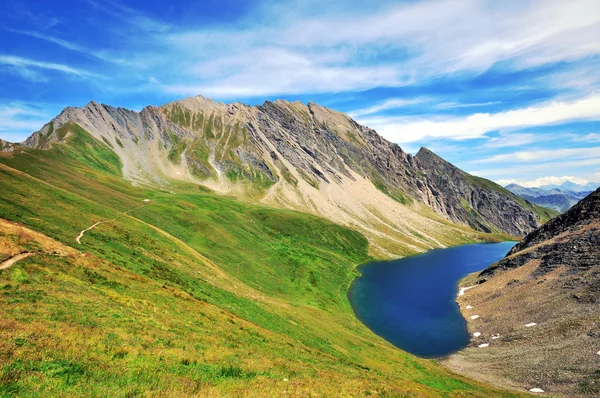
305	157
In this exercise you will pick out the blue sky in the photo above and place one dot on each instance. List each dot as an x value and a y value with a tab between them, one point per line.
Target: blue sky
508	90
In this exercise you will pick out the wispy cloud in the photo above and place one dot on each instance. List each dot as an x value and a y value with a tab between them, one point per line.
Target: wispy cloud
393	103
411	129
24	67
535	169
543	155
590	137
454	105
277	71
130	16
513	140
19	119
69	45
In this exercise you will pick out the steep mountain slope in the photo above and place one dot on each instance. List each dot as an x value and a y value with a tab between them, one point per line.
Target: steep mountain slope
543	301
180	291
556	199
302	157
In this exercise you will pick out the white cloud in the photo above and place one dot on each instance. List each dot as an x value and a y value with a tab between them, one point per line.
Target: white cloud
451	105
86	50
536	169
512	140
18	120
273	70
295	48
590	137
411	129
24	65
392	103
538	182
543	155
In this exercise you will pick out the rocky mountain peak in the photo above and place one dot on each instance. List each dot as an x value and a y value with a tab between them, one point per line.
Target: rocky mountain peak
306	157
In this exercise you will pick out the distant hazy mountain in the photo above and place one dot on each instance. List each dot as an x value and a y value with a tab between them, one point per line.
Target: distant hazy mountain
571	186
560	198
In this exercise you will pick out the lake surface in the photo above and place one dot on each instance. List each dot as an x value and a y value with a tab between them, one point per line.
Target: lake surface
411	302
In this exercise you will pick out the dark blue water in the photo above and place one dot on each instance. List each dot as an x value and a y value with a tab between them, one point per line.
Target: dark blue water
411	302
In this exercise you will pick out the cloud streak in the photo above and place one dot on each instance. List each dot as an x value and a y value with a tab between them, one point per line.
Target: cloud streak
543	155
71	46
24	65
18	119
411	129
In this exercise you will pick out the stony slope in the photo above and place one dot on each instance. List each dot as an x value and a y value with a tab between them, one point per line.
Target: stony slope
552	279
303	157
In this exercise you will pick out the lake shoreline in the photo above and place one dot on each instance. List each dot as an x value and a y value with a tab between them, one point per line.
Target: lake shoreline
408	308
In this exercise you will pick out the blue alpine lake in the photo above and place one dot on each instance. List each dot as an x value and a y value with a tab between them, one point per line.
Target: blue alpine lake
410	302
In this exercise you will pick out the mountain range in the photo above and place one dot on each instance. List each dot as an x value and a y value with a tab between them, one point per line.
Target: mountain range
302	157
559	198
573	187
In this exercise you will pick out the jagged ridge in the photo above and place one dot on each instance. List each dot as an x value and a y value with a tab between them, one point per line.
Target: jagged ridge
304	157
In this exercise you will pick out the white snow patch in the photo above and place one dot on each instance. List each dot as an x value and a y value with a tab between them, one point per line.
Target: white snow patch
474	316
464	289
496	336
483	345
469	307
477	334
598	353
536	390
530	324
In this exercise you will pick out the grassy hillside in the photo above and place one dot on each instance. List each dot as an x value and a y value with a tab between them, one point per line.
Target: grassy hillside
189	293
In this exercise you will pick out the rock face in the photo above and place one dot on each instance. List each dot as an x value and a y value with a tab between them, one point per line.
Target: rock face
543	300
304	157
475	201
7	146
571	239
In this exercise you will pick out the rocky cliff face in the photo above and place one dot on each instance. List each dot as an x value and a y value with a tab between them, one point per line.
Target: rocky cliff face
478	202
570	240
305	157
539	309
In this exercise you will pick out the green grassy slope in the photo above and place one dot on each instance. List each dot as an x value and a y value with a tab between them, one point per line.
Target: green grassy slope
190	293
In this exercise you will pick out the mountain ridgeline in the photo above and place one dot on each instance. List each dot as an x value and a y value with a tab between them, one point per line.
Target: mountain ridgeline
302	157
